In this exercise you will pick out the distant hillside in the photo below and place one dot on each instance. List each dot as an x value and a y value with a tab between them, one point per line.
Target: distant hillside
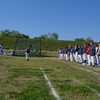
47	44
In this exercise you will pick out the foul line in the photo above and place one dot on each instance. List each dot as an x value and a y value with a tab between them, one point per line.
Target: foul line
93	90
50	85
86	70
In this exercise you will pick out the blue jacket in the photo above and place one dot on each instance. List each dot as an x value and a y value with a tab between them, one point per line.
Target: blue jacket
63	51
92	50
71	50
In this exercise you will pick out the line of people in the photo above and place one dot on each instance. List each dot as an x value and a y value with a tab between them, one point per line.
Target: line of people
88	54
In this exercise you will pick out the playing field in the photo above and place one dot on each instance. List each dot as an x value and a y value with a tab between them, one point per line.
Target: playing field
47	79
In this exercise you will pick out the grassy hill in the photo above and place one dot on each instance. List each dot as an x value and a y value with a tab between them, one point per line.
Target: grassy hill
47	44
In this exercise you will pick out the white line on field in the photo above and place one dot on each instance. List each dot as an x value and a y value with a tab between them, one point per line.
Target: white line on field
50	85
93	90
33	68
86	70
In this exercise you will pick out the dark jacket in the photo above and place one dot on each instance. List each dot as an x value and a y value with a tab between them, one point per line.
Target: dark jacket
27	50
80	50
92	50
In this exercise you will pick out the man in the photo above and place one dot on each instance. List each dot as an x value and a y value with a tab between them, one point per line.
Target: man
1	50
80	52
96	56
76	52
92	53
71	50
88	54
27	51
99	54
84	53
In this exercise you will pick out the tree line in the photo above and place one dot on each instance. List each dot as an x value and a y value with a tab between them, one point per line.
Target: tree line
52	36
15	33
49	41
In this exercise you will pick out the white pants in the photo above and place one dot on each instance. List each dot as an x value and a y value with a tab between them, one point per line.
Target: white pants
88	60
76	56
84	57
80	58
71	56
92	59
97	59
66	57
27	55
61	56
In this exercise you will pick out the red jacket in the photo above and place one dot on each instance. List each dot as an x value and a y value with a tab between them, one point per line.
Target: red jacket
88	50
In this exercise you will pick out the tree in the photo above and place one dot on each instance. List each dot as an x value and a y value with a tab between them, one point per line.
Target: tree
53	36
80	39
13	33
88	39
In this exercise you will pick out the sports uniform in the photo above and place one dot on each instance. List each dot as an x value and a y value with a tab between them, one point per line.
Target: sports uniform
27	51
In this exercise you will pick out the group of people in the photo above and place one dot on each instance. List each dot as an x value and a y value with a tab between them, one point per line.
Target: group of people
86	54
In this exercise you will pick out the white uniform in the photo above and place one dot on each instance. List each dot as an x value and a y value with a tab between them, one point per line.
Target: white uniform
96	56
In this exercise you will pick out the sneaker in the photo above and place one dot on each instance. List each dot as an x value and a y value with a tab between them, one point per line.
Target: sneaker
93	66
99	65
83	64
88	65
27	59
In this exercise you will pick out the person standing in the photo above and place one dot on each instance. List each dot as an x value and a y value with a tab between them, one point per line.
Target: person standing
71	49
99	54
1	50
92	53
66	57
84	53
76	52
80	52
96	56
27	51
59	52
88	54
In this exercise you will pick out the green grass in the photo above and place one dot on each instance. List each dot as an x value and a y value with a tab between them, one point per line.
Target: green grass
23	80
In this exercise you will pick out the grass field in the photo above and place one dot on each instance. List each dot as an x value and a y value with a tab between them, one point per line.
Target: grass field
47	78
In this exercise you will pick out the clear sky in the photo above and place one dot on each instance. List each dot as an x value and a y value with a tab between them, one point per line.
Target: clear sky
70	19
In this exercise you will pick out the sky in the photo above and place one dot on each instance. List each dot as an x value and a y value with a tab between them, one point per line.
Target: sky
70	19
